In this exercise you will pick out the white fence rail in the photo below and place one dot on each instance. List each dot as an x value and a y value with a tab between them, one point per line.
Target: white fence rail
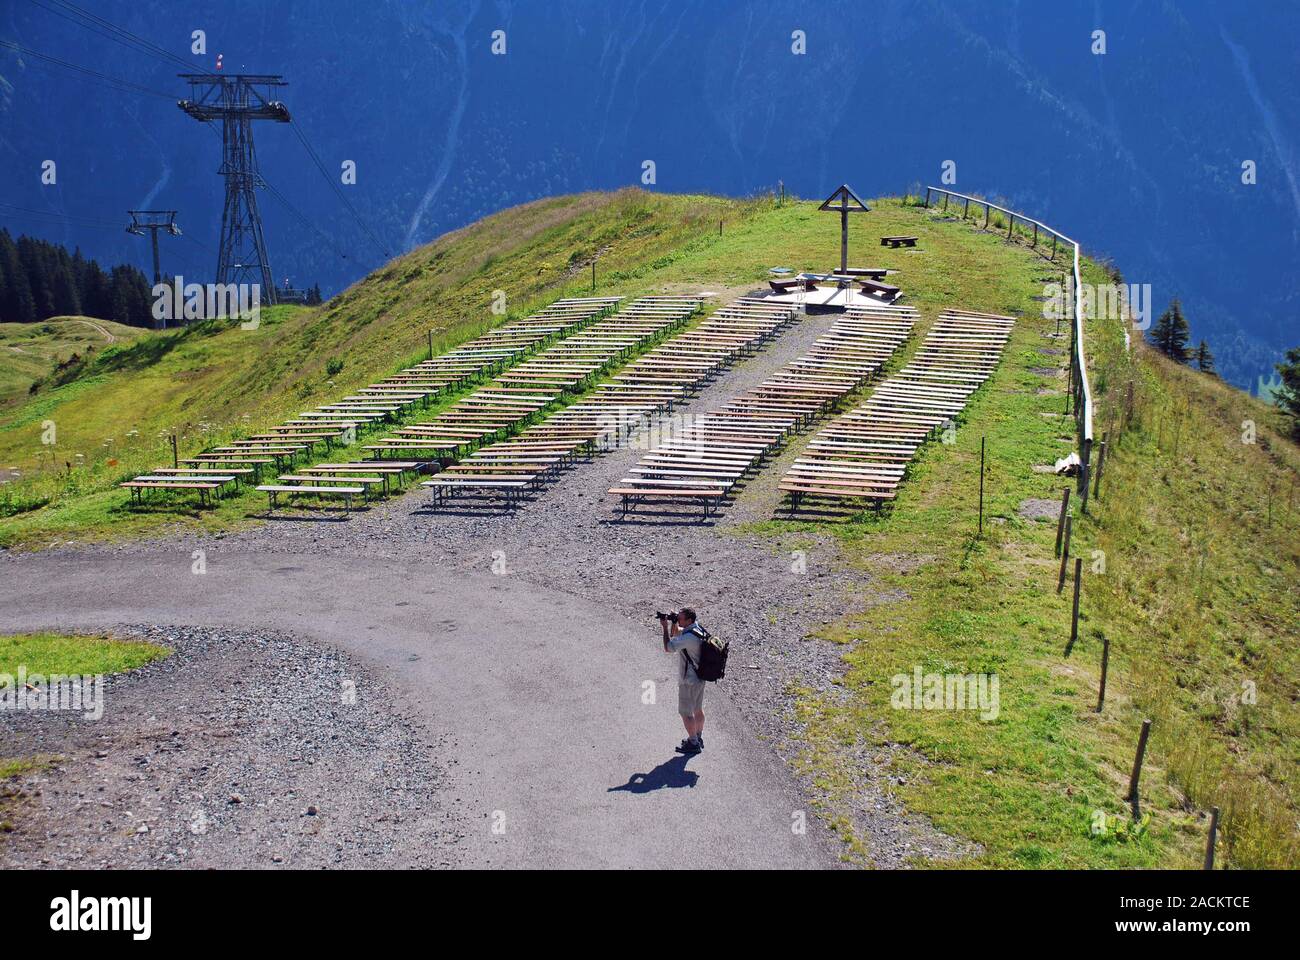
1080	388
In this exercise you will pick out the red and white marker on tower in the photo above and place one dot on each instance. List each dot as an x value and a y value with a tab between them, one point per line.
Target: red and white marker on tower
218	61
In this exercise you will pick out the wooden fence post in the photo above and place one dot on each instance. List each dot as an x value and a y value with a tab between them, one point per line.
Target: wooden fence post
175	456
1105	664
1135	778
1209	841
981	486
1085	472
1074	616
1060	521
430	344
1101	463
1065	555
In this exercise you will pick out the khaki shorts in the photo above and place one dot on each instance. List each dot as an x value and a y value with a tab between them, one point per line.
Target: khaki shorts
690	698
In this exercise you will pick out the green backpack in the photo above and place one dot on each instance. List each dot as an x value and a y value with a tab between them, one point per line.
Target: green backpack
713	655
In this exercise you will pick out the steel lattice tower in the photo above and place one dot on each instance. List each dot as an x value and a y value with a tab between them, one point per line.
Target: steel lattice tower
237	100
153	221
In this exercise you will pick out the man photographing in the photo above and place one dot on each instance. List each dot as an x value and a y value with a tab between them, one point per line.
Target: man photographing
683	635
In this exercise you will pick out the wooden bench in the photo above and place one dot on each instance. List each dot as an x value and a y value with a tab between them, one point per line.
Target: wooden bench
884	292
389	472
786	286
798	490
320	480
514	488
203	487
272	490
197	473
634	495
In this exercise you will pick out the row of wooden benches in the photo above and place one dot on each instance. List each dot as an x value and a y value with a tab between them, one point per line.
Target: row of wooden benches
209	473
865	453
703	460
501	406
617	408
530	388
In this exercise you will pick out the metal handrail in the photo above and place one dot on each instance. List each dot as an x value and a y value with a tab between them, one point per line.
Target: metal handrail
1082	390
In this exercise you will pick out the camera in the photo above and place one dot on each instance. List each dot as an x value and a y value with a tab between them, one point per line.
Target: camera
670	617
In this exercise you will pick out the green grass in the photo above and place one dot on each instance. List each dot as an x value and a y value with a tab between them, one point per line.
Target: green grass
1201	598
68	654
17	767
31	352
50	654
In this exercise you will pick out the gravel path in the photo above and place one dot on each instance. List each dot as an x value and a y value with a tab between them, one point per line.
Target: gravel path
768	594
240	750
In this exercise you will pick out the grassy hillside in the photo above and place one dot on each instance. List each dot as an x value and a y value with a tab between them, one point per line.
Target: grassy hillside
32	352
1200	525
1191	563
214	380
1190	574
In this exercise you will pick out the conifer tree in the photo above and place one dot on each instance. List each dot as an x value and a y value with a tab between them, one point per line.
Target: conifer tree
1204	359
1287	396
1171	333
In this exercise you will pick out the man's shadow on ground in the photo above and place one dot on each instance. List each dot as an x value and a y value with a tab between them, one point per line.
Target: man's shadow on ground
670	773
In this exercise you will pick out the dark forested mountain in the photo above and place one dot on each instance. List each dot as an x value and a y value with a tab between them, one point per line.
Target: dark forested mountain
39	280
1137	151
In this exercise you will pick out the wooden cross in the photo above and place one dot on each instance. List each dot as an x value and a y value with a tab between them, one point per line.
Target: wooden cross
849	202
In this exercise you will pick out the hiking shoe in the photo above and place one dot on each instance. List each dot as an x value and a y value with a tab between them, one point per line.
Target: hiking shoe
689	746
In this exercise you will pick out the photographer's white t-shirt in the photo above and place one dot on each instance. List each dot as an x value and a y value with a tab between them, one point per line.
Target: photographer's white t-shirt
688	640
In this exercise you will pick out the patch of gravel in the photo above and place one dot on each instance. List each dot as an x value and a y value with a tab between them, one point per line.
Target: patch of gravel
240	750
1036	509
